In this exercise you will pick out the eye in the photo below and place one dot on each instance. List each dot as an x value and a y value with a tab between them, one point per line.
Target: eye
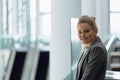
79	32
86	31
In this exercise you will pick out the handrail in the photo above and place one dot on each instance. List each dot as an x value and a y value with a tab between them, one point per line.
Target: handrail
107	39
110	46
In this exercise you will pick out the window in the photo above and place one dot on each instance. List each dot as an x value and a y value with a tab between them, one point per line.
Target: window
26	20
114	16
45	17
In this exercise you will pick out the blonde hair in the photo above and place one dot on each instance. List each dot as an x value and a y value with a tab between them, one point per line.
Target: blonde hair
88	19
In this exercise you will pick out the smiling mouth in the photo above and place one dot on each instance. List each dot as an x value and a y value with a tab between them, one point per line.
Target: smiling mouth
84	39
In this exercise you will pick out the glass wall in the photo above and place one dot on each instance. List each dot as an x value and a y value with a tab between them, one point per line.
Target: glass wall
24	21
115	16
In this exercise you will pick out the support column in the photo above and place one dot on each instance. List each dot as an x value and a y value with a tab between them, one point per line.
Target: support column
102	18
88	7
60	44
15	17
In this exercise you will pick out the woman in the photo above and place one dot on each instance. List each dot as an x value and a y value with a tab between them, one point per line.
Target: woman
93	61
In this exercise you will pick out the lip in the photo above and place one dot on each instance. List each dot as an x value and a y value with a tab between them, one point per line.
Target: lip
84	39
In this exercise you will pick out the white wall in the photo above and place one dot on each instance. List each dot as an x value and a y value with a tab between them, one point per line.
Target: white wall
60	45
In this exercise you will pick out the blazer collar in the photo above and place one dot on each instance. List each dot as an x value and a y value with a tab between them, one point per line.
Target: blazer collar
81	60
96	41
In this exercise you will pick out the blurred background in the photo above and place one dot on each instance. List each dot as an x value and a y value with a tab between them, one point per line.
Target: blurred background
38	38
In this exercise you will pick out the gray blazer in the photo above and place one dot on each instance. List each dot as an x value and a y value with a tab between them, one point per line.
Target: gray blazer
92	65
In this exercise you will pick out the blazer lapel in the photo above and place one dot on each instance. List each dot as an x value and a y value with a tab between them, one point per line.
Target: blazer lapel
84	55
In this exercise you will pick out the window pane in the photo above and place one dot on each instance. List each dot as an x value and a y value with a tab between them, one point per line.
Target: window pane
74	31
4	17
115	5
76	45
45	5
115	22
33	20
45	24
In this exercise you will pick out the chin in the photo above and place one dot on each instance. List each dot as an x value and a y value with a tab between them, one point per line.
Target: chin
84	42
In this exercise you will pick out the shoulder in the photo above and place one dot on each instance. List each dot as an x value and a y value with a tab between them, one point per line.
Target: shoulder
98	48
98	45
97	53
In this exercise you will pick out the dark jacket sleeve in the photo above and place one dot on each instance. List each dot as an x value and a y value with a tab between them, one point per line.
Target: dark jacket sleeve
94	65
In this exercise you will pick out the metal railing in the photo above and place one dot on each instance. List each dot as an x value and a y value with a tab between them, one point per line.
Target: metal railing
110	47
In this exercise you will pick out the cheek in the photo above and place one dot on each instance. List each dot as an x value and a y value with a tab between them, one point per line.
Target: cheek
90	35
79	36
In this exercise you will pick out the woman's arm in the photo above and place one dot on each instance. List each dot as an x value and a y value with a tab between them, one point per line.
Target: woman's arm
95	61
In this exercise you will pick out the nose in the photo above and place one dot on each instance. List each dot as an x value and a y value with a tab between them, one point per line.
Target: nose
82	34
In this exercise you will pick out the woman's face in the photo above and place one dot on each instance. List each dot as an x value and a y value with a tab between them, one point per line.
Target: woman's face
86	33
